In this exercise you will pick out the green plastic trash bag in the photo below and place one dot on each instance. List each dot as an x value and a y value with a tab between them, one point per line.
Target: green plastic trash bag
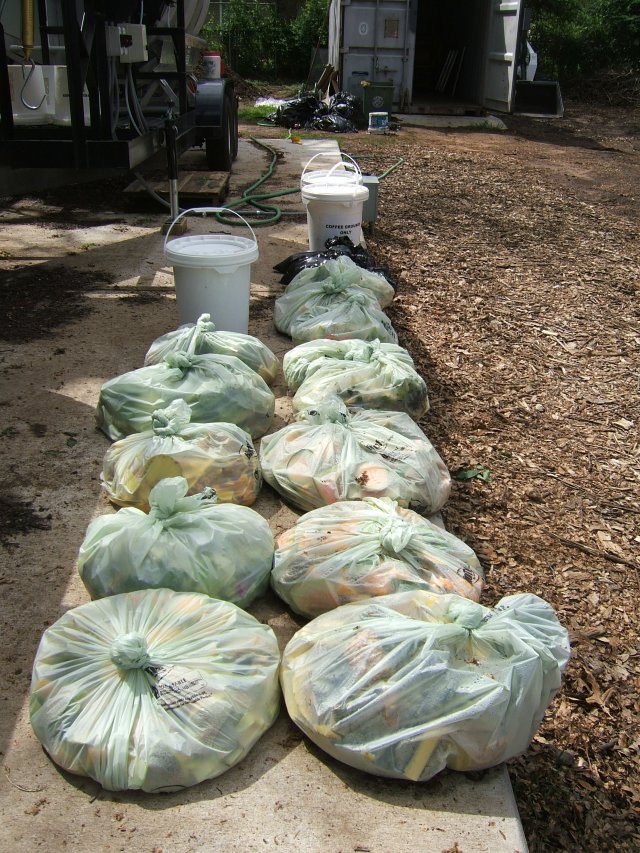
333	307
333	454
188	544
342	274
220	456
154	690
405	685
352	550
357	316
218	388
371	374
201	337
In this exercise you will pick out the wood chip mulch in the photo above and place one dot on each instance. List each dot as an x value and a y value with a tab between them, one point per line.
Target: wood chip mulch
518	262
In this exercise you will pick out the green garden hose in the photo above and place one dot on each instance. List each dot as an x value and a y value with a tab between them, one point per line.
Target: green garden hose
390	169
258	200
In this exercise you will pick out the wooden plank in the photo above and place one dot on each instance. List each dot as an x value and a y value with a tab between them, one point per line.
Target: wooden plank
213	186
446	70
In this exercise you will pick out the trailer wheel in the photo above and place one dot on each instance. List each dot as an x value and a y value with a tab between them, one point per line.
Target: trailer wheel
222	152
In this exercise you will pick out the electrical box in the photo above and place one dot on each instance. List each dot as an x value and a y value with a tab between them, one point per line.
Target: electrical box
127	42
370	206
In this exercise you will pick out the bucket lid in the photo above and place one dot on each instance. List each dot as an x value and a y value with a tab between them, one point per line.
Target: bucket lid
330	177
333	192
344	171
205	250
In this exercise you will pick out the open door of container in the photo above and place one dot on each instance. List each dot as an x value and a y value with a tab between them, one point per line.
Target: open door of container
501	56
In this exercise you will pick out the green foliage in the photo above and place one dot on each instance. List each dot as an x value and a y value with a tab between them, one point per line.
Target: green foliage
257	42
309	29
578	37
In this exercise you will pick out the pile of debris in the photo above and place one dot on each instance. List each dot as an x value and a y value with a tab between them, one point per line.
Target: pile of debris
341	114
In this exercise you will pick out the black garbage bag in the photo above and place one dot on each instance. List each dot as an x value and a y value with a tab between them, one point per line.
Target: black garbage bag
322	110
299	261
360	256
346	105
334	248
296	112
332	122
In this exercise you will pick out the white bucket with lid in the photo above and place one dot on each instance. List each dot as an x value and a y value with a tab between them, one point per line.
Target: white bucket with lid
341	172
378	122
212	273
334	202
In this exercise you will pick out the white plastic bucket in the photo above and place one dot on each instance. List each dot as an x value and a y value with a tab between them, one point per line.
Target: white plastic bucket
378	122
344	171
334	200
211	65
212	274
29	94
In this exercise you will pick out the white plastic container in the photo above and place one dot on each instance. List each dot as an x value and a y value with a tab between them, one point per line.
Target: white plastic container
29	94
59	96
341	172
378	122
334	210
211	65
212	274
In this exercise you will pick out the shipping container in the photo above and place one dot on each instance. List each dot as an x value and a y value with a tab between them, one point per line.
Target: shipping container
437	55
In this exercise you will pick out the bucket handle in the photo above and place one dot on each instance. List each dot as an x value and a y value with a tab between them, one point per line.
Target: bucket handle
353	166
204	210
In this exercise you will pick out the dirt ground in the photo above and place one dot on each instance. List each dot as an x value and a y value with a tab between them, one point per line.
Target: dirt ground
517	257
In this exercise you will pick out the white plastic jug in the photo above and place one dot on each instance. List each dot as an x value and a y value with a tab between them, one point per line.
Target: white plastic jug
212	273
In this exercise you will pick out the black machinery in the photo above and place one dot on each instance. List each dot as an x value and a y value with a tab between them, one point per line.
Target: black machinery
103	84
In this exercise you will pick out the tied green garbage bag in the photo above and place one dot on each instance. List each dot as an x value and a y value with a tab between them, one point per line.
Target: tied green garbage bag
201	337
153	690
352	550
220	456
216	387
333	454
405	685
357	316
341	273
332	301
371	374
188	544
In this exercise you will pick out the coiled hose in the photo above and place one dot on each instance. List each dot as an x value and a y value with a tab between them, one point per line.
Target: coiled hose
258	200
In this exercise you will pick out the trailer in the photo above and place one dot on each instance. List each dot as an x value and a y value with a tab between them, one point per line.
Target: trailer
96	85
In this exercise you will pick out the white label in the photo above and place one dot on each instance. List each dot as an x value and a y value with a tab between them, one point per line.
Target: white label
174	686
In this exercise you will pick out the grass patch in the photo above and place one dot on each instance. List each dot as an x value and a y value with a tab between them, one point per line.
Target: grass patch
252	114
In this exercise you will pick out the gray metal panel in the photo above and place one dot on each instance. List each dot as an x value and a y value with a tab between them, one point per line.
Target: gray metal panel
378	44
502	43
381	26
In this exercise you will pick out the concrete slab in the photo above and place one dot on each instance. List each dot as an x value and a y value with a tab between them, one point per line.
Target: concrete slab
286	795
444	121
